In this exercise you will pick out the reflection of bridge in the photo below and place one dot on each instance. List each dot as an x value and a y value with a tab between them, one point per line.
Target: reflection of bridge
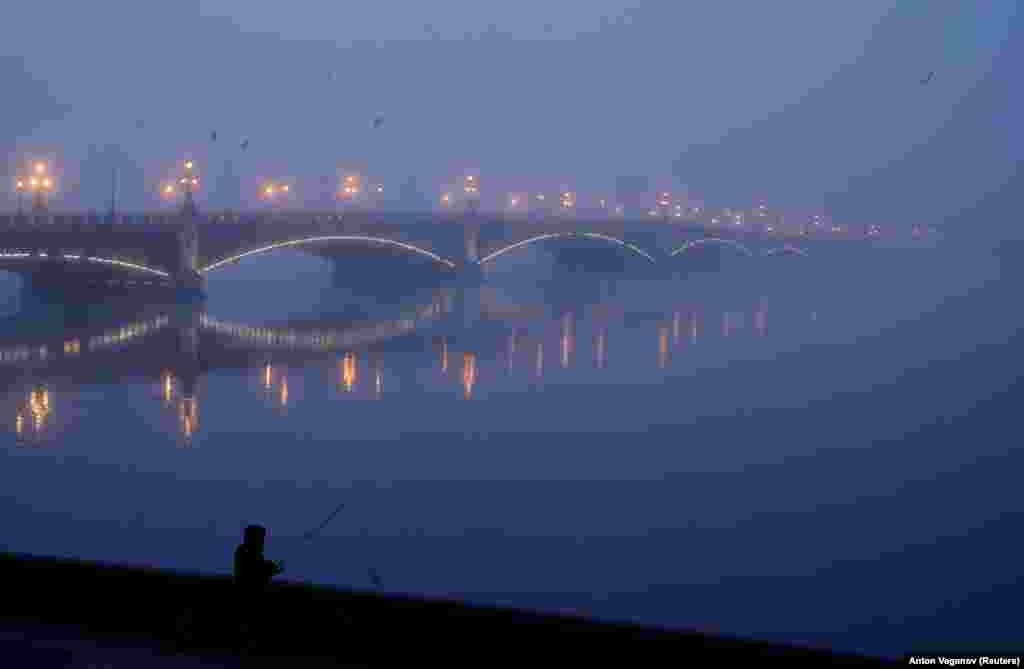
171	250
175	351
196	340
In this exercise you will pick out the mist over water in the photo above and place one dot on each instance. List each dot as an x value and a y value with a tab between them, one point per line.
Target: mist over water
780	449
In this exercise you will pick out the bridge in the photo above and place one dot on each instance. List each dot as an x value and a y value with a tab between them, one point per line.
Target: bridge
180	250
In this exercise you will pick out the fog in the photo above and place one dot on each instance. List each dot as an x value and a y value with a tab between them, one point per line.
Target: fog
805	104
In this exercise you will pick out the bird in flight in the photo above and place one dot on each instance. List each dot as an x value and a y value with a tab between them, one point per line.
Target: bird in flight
378	122
213	136
928	78
245	144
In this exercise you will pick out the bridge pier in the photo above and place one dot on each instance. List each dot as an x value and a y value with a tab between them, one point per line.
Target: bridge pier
471	269
188	282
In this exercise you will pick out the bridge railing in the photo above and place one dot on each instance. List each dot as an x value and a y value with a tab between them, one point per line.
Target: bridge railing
706	224
88	218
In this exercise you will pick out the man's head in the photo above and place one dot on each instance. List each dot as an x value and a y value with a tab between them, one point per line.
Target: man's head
255	536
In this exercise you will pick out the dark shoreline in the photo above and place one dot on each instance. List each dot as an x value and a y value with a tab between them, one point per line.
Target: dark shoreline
190	614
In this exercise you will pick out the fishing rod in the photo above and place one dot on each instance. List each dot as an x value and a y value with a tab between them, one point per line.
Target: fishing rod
312	534
315	531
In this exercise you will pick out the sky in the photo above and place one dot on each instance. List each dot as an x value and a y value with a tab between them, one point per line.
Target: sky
803	103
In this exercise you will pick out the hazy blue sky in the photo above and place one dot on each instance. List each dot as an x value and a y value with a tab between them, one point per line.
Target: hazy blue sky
802	101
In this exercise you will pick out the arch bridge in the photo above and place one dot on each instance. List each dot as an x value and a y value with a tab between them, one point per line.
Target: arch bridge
175	251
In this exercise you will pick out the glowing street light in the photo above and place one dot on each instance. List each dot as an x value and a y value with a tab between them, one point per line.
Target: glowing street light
20	186
271	190
351	186
471	188
40	184
189	184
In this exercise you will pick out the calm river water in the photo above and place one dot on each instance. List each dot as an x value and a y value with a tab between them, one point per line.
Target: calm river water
820	452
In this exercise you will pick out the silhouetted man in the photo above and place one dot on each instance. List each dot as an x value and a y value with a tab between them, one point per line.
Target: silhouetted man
253	573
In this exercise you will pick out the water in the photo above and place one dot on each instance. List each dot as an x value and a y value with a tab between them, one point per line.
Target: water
819	452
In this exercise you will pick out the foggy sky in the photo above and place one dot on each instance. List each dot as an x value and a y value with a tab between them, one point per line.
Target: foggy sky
803	103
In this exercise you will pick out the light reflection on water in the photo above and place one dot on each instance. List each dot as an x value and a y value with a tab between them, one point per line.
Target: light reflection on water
584	442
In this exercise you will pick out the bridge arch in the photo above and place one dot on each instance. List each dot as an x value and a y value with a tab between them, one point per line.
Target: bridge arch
568	235
70	257
329	238
785	250
717	241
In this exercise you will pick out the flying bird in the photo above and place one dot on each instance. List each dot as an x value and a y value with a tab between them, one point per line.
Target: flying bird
213	136
928	78
378	122
245	144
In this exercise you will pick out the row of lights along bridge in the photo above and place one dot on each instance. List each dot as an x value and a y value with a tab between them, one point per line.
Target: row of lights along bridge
353	191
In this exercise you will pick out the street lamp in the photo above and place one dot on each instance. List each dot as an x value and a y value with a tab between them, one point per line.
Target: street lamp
20	186
189	183
273	190
471	187
350	187
665	204
40	184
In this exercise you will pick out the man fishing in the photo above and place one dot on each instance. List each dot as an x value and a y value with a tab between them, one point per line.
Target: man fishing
253	573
